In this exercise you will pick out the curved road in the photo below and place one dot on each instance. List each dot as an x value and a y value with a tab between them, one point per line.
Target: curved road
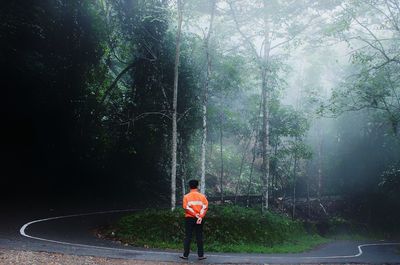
73	234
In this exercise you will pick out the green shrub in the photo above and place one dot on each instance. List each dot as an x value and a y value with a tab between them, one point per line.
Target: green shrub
229	228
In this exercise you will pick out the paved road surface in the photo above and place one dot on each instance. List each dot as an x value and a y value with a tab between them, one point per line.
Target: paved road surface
73	235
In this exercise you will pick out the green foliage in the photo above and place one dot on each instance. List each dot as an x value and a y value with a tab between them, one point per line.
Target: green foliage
338	226
226	229
89	90
372	82
288	122
390	183
300	244
247	226
151	226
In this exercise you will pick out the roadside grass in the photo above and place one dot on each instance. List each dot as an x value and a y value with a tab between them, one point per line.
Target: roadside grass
226	229
342	229
358	236
301	244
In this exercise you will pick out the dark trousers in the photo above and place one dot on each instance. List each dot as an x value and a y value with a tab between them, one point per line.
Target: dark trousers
190	225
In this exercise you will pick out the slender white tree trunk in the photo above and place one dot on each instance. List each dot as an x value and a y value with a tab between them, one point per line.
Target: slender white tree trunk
183	186
183	171
174	110
203	149
308	192
319	175
222	160
256	139
265	111
205	100
251	171
294	185
241	166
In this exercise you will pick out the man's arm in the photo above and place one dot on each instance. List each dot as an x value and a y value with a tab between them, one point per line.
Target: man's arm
184	204
204	209
189	210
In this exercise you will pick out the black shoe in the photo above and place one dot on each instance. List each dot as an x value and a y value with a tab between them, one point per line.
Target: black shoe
183	257
201	258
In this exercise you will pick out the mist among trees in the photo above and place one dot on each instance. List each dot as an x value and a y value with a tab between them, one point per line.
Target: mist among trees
297	102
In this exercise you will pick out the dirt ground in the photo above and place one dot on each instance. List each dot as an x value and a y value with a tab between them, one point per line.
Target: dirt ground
17	257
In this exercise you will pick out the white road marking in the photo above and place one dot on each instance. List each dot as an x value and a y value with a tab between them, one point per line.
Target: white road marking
23	229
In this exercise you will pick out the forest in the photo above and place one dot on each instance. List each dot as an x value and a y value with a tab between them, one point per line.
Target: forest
275	103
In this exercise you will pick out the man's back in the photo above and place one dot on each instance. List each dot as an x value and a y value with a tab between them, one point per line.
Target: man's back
195	204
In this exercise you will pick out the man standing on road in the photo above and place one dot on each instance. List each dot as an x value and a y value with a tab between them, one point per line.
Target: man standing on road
196	206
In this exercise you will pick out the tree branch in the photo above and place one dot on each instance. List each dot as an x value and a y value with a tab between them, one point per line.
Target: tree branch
382	49
114	83
244	36
393	20
145	114
184	114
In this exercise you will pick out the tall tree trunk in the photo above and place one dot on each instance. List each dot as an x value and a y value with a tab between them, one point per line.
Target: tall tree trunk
251	172
256	136
265	110
205	100
308	197
174	108
211	146
319	175
241	167
222	161
183	173
294	185
183	185
274	173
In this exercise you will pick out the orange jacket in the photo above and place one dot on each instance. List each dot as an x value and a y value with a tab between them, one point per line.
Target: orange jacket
195	204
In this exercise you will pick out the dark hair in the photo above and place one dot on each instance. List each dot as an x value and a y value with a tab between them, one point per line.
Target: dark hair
193	184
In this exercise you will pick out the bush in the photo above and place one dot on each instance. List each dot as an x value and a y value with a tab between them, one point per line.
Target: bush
230	228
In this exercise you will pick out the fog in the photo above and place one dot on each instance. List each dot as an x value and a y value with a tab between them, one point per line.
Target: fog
281	100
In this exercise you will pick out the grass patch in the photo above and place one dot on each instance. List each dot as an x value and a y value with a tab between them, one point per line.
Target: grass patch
342	229
297	245
226	229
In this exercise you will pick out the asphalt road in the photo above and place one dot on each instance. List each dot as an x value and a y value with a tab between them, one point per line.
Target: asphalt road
71	232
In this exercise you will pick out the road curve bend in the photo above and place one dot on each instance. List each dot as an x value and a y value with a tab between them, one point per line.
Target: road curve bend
71	233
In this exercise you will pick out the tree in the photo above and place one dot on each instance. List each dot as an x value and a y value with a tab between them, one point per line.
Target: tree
299	151
205	97
174	106
276	31
371	30
50	53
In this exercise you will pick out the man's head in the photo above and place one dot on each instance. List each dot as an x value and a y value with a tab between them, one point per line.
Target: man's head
193	184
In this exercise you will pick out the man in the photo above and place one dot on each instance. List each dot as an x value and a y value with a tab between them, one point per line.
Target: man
196	206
